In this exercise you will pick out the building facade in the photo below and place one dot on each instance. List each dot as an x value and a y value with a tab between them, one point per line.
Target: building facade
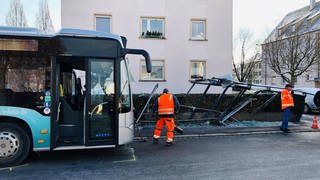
185	38
299	23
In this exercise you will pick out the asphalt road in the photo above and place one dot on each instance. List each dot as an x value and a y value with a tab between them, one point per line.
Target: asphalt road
273	156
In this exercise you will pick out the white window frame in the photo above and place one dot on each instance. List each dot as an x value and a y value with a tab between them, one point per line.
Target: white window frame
198	61
205	30
280	31
102	16
308	77
293	28
153	18
149	74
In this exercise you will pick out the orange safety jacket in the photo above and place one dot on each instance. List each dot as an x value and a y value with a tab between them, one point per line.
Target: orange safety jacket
286	99
166	104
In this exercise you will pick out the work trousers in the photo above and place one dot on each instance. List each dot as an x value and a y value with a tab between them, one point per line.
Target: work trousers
169	122
286	117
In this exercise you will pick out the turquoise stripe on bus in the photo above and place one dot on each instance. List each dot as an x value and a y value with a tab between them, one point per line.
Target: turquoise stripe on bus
35	120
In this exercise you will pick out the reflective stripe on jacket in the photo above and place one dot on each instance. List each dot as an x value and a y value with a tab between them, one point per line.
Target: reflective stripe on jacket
166	104
286	99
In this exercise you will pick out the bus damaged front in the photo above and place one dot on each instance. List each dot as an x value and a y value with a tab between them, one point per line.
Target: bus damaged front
126	120
101	53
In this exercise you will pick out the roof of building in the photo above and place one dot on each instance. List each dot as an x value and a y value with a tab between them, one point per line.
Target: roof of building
300	21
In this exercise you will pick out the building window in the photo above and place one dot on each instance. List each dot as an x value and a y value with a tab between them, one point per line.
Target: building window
293	28
157	73
280	31
198	29
273	80
284	82
308	77
152	28
197	69
103	23
311	76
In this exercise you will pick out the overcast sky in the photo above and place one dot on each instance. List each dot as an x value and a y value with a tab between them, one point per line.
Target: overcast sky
31	9
261	16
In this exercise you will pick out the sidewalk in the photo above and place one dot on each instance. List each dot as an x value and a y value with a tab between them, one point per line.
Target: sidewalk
207	131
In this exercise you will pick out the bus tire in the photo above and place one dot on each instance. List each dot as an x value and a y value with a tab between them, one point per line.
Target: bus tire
14	144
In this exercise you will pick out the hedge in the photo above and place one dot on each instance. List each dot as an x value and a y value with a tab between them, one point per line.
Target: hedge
271	112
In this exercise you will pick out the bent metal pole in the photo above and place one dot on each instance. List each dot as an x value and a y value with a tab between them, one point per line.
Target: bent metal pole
145	106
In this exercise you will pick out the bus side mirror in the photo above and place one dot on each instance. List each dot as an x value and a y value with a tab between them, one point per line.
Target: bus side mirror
142	52
124	41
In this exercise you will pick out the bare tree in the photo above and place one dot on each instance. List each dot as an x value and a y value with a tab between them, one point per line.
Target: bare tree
43	19
16	17
292	56
246	63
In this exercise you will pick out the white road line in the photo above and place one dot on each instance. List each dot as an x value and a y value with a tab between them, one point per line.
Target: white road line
13	167
133	158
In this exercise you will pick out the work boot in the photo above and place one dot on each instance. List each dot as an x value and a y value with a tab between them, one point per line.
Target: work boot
155	141
169	144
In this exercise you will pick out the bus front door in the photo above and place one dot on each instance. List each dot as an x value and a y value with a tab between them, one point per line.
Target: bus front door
100	118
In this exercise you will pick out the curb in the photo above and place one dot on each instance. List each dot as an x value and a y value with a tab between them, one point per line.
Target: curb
293	131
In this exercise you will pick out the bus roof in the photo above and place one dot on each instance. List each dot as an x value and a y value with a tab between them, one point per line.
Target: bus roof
88	33
33	32
21	31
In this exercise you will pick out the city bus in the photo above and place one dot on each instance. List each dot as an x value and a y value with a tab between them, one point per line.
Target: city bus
64	91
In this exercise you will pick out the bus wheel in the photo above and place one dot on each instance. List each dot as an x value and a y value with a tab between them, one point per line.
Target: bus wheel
14	144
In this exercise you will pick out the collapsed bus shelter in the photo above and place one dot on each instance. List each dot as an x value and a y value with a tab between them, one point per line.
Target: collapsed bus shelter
237	101
244	95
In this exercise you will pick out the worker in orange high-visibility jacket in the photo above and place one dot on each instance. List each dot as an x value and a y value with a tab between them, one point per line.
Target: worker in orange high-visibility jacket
286	104
166	105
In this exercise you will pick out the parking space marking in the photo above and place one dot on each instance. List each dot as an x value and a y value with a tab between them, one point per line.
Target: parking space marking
13	167
133	158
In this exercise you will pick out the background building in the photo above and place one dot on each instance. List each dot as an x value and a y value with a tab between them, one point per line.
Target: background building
301	22
183	37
